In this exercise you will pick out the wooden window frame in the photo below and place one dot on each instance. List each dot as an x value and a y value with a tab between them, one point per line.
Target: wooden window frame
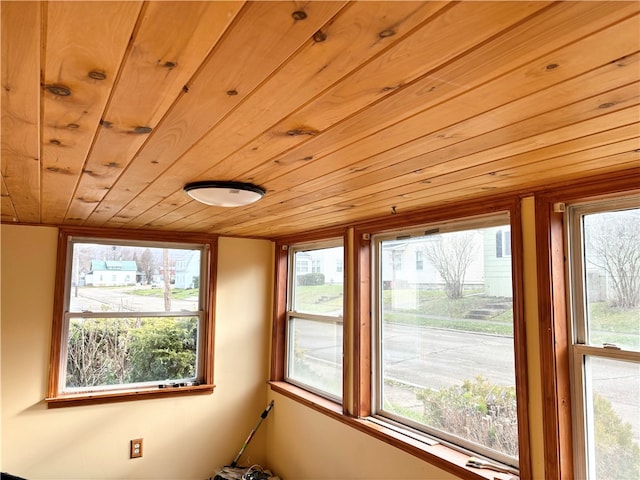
292	249
281	289
555	340
356	407
55	398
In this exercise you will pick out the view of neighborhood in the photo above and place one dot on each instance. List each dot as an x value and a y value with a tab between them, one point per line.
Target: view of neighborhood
134	315
446	335
111	265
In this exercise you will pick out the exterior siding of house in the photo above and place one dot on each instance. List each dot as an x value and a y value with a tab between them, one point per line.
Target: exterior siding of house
106	273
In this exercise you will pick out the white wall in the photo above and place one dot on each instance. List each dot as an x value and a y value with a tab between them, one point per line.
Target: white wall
184	438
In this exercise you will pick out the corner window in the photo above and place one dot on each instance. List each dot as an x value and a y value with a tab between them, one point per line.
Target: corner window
314	319
131	316
444	335
604	268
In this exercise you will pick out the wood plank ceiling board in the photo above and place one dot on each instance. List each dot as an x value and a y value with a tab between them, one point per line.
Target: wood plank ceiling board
168	46
265	35
341	110
397	66
20	112
487	97
85	43
378	198
606	77
484	98
380	78
397	133
584	146
281	165
354	36
411	194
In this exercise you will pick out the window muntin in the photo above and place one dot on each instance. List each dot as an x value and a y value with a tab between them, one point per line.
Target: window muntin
315	316
133	315
604	268
444	335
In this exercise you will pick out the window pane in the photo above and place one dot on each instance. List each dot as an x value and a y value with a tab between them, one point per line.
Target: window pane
319	291
117	351
447	352
315	354
125	278
614	436
612	278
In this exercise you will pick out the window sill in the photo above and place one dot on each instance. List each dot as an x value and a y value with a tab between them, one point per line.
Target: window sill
438	455
111	396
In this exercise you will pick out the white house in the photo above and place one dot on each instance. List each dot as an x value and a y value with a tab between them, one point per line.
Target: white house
328	261
112	273
188	270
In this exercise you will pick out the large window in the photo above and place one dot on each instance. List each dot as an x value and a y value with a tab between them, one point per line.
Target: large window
418	342
444	335
131	316
604	268
315	317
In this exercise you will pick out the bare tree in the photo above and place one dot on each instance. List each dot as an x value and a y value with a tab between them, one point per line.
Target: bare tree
146	264
451	254
613	245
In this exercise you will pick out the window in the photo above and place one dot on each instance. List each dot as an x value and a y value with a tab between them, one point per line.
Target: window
503	244
604	268
403	335
314	319
444	336
127	335
302	265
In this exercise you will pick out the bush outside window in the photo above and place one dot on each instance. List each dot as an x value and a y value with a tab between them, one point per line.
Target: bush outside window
445	336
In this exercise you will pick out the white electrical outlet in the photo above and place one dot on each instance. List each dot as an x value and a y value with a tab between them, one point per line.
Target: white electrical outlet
135	448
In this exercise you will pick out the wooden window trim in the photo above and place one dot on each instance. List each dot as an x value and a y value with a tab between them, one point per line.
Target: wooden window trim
438	455
57	399
354	413
281	278
553	312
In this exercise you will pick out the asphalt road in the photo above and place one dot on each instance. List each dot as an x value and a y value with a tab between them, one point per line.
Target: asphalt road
416	357
121	300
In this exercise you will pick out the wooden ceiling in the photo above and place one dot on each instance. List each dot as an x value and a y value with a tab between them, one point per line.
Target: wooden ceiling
342	111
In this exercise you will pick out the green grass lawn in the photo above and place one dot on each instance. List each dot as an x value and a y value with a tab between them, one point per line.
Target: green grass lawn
614	325
434	309
319	298
467	325
177	293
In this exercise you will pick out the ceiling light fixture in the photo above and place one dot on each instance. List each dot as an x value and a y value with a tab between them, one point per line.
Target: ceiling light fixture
224	194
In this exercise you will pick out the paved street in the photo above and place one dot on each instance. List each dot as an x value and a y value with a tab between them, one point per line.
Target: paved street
122	300
416	357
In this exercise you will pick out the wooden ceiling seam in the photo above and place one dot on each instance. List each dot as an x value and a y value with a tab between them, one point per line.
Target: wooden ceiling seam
182	91
550	87
439	12
302	46
254	6
99	125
